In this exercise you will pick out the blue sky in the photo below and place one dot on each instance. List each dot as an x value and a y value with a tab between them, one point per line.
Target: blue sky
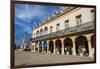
27	15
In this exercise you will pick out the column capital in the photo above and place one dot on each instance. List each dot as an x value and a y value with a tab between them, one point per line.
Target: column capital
73	38
54	40
88	36
62	38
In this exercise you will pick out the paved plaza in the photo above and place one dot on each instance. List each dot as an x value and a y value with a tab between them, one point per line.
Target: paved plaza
31	58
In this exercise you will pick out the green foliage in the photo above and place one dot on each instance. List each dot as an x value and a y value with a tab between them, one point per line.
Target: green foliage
68	48
81	48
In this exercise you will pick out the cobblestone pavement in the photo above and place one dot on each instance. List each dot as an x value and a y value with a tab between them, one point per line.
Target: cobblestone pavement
31	58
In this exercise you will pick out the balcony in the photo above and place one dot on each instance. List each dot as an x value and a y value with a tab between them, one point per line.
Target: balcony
74	29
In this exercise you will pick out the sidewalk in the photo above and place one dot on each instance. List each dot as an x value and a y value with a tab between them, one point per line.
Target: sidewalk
31	58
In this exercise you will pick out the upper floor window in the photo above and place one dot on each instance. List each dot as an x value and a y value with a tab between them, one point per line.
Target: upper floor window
51	29
58	27
37	33
67	24
78	20
45	30
41	32
92	14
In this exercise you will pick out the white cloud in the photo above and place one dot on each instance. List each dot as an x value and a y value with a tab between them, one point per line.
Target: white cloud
23	25
26	28
27	12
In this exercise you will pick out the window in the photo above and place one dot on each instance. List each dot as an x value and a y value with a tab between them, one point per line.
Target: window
57	27
51	29
92	14
37	33
78	20
45	30
67	24
41	32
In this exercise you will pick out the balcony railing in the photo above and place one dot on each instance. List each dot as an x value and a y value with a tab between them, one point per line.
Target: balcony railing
74	29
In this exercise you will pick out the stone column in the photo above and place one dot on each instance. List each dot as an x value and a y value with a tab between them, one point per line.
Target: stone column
47	46
90	48
74	47
62	41
33	46
89	44
54	51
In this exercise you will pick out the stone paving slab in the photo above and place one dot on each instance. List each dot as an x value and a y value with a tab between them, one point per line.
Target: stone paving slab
31	58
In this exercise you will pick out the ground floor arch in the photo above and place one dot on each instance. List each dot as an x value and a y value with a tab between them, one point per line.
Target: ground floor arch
81	46
58	46
68	46
40	47
51	46
45	46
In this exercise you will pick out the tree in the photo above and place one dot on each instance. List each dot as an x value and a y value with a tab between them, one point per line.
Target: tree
23	39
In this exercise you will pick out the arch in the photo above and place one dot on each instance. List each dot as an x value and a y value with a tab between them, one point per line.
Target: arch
93	41
37	33
81	46
58	46
68	46
46	30
40	47
51	46
41	32
45	46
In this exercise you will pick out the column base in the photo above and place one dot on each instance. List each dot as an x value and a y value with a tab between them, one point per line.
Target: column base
90	55
48	51
32	50
73	52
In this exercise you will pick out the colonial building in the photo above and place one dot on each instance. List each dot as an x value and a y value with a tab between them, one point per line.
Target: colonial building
70	31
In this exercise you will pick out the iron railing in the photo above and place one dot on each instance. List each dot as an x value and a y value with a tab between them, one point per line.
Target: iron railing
79	28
